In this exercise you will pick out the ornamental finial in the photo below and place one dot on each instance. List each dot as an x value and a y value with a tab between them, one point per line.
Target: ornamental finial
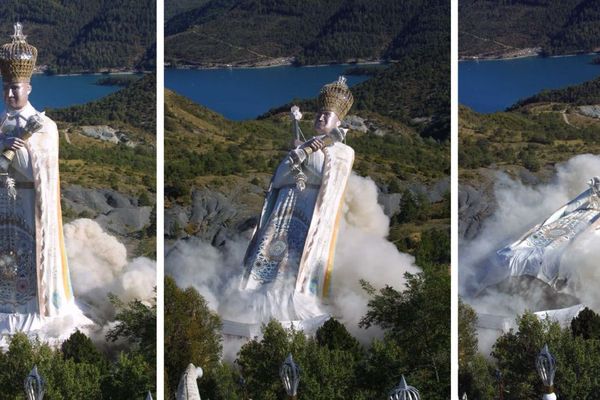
18	35
404	392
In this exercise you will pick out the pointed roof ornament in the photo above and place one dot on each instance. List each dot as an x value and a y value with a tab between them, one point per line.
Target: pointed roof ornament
545	364
404	392
18	35
290	376
34	385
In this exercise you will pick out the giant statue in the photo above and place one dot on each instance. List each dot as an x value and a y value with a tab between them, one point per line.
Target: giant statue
539	253
289	261
35	288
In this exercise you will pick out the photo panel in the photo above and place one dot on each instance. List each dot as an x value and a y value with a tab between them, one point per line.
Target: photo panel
529	131
307	199
77	200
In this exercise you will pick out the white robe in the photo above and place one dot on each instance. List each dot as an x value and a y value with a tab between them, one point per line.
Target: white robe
289	260
539	253
49	301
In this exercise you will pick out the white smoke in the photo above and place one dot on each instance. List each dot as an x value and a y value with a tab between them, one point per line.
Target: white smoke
519	208
362	252
99	266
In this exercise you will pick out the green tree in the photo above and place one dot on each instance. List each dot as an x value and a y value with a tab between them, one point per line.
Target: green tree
418	327
586	324
136	322
192	334
329	363
578	360
80	348
474	371
129	378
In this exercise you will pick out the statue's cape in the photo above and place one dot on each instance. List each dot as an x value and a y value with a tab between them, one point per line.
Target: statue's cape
540	251
54	284
316	264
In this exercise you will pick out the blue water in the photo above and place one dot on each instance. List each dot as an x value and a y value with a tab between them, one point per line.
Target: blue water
64	91
245	93
493	85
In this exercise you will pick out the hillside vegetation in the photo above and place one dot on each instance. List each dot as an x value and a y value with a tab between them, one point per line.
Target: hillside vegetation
203	149
96	164
78	36
544	129
311	32
492	27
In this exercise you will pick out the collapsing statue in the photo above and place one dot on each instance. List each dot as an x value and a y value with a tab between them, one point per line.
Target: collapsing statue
540	251
289	261
538	260
35	288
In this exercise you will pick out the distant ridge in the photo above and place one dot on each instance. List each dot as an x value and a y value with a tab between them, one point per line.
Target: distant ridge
311	31
493	28
86	36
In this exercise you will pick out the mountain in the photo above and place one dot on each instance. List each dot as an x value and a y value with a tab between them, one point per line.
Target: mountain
493	28
414	89
174	7
80	36
311	32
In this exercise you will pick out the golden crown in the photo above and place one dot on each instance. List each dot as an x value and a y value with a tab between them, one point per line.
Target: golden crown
17	58
336	97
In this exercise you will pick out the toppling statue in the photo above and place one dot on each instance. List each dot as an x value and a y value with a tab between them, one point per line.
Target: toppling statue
289	261
35	289
539	253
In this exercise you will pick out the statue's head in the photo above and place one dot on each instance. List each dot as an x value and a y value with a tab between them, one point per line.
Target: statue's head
334	102
17	61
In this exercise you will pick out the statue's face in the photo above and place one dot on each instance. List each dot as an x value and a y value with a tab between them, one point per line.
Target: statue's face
16	94
326	121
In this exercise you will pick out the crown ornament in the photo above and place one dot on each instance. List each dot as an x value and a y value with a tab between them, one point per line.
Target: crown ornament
17	58
336	97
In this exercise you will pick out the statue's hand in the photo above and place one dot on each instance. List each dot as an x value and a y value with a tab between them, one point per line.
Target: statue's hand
315	144
13	143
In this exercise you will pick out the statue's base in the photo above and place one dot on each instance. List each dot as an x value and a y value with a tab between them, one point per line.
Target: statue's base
51	330
251	330
549	396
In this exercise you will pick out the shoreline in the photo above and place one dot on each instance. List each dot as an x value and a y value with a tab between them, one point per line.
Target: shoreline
274	65
505	57
124	72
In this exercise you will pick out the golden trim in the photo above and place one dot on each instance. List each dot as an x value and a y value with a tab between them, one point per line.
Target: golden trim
63	253
333	242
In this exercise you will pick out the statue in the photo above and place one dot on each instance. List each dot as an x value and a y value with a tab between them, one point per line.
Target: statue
35	287
539	253
289	261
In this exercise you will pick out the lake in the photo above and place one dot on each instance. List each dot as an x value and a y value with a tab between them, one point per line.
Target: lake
493	85
246	93
63	91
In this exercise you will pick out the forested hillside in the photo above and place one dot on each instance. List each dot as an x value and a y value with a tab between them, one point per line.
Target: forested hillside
547	128
127	169
78	35
493	27
586	93
310	32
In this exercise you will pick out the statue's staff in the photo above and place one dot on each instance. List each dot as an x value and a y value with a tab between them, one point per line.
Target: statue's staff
298	155
33	124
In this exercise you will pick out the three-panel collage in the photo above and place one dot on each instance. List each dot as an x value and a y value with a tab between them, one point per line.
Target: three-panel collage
308	200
